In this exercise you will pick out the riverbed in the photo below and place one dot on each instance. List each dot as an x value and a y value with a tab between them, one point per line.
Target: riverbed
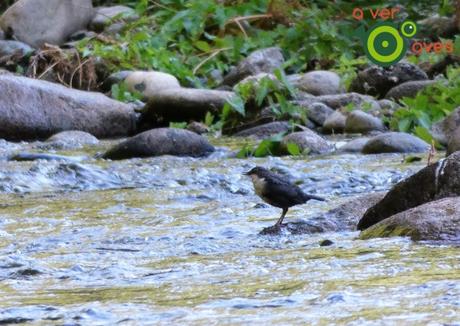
171	240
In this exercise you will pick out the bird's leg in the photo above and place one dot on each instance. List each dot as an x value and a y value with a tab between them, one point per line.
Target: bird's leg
280	221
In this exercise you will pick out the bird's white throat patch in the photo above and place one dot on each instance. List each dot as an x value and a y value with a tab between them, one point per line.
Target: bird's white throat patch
259	184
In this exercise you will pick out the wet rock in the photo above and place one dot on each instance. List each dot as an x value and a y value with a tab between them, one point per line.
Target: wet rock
395	142
265	130
12	47
377	80
149	83
161	141
353	146
443	130
436	221
434	182
21	157
264	60
326	243
345	217
408	89
37	22
184	104
362	122
71	139
335	123
319	83
454	142
35	109
15	320
317	112
307	141
2	34
198	127
104	16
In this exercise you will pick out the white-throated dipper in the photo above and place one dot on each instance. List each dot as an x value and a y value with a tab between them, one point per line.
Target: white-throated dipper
275	190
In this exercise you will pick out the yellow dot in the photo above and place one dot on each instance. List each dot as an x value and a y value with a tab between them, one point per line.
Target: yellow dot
385	44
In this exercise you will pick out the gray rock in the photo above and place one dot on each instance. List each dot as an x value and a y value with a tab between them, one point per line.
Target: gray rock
408	89
115	78
307	141
434	182
454	142
335	123
35	109
161	141
104	16
337	101
434	221
353	146
2	34
345	217
71	139
395	142
11	47
443	130
184	104
362	122
37	22
149	83
265	130
319	83
264	60
198	127
377	80
317	112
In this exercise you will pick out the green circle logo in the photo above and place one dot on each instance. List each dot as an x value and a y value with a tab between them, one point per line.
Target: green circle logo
384	45
408	28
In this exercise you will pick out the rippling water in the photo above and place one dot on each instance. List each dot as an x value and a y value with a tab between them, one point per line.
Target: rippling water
175	240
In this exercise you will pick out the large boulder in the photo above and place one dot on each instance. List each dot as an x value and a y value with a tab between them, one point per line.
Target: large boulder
353	146
264	60
319	82
376	80
362	122
35	109
433	182
395	142
149	83
443	130
344	217
307	141
183	104
37	22
161	141
408	89
436	221
265	130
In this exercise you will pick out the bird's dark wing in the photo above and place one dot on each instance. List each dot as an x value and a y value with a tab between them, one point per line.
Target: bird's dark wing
281	193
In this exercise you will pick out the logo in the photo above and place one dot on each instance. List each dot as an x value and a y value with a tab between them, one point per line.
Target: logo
385	43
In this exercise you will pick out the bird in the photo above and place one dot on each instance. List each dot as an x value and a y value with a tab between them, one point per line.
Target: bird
277	191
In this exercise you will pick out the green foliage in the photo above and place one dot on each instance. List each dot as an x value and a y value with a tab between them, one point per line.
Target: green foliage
178	125
267	147
430	105
121	93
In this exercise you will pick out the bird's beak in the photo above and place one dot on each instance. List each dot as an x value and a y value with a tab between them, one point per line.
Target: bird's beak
246	173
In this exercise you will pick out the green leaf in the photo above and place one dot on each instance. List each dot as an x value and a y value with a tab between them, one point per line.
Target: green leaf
237	103
293	149
203	46
424	134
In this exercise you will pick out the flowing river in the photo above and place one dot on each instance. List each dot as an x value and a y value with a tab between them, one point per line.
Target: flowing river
170	240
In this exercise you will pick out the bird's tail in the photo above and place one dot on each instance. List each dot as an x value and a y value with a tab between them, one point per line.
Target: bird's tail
308	197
